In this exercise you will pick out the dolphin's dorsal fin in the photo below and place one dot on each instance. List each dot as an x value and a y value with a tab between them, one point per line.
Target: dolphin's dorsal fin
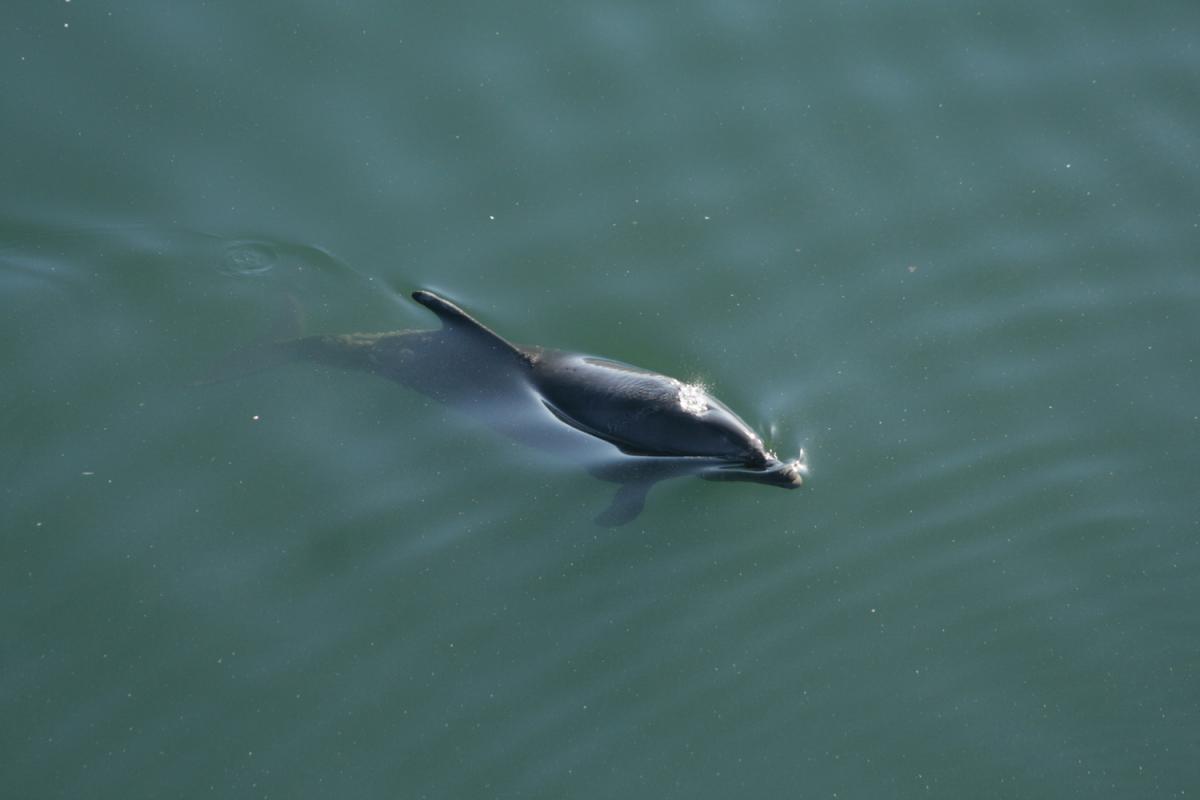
455	318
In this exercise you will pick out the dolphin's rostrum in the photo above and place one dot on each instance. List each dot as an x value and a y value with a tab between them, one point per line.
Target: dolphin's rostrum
664	427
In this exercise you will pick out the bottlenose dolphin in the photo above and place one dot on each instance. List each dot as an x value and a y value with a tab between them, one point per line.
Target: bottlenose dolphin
560	401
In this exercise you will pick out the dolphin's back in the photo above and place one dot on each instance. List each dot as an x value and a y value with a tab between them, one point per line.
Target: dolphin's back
641	412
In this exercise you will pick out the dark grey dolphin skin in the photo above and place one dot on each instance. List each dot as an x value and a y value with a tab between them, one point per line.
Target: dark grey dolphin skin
662	426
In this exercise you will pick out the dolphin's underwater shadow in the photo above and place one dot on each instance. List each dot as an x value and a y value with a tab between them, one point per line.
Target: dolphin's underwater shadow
624	424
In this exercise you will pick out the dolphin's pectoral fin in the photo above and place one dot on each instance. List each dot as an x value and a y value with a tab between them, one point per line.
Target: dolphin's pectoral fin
626	504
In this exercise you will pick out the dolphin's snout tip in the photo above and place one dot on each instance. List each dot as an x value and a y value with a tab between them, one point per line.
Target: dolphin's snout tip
796	470
788	474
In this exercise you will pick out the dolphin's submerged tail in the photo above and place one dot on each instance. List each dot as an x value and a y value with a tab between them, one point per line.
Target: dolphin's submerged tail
266	352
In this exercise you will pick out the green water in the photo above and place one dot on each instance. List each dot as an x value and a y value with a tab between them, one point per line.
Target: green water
949	249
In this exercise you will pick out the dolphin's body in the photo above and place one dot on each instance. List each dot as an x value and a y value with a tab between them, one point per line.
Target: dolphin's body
556	400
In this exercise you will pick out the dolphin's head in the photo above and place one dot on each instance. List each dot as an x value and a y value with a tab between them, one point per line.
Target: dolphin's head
722	434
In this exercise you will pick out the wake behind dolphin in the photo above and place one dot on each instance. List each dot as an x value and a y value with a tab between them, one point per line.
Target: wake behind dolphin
565	402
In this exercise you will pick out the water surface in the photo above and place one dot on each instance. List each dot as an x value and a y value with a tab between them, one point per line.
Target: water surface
950	251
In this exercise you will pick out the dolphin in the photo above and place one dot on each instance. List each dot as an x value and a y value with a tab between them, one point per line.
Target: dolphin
559	401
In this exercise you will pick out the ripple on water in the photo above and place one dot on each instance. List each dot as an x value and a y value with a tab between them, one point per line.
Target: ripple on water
248	259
